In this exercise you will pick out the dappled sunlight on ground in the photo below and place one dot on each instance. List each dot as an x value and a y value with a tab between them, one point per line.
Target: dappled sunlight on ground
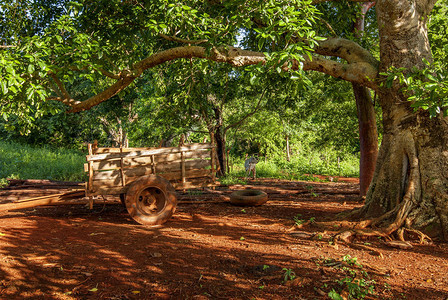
206	251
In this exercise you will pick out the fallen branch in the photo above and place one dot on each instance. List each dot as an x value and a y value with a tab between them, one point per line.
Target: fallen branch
44	200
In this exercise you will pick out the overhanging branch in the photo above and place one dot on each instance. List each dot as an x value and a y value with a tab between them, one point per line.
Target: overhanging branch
361	66
231	55
359	72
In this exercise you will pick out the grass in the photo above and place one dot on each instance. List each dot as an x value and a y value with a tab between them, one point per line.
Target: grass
20	161
299	168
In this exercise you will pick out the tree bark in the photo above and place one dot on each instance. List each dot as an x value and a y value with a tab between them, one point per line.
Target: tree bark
219	136
368	137
220	140
409	187
368	133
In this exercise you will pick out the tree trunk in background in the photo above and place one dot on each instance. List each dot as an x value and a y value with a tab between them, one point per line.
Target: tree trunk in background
368	133
368	136
288	153
409	187
219	136
220	141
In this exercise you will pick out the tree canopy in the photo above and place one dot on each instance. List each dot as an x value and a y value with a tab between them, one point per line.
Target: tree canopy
83	53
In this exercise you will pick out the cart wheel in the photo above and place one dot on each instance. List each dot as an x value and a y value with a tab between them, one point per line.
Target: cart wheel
248	197
151	200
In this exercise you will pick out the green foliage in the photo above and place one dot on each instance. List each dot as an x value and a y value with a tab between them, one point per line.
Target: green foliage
24	162
75	41
301	167
357	282
427	86
230	179
298	221
288	275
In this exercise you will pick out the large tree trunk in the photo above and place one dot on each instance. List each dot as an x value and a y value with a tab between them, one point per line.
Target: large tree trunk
368	133
410	183
368	136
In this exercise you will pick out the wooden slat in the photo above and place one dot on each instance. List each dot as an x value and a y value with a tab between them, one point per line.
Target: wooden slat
90	181
191	184
114	182
117	150
192	147
183	168
109	191
153	164
146	170
114	164
44	200
123	178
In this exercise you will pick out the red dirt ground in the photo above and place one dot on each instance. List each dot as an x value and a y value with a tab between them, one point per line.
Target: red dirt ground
211	249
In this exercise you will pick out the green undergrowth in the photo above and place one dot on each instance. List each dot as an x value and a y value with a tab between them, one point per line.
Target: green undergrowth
18	161
298	168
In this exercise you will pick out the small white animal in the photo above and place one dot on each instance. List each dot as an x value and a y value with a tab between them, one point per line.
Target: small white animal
249	165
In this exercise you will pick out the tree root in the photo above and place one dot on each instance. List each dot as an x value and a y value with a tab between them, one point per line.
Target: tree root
422	237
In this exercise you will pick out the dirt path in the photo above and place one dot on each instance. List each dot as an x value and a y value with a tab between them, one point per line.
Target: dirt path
212	251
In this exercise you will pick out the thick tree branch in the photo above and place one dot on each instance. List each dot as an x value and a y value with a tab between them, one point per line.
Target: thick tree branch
234	56
347	50
360	72
361	67
104	95
60	86
62	92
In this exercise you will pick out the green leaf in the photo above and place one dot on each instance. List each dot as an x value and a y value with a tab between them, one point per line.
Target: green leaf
4	87
334	295
253	80
431	86
261	43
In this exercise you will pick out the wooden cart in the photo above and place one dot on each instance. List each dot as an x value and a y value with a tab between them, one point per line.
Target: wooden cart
146	178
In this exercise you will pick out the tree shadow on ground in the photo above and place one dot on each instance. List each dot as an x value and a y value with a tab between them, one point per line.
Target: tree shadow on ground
206	251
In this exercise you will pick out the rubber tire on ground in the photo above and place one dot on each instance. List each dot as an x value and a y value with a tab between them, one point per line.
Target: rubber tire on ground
151	200
248	197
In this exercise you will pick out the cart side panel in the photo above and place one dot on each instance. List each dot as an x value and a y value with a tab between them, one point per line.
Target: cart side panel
110	172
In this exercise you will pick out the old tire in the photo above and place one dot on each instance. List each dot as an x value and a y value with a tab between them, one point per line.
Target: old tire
151	200
248	197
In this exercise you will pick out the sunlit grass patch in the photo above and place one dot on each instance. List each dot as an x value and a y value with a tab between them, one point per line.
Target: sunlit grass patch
26	162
